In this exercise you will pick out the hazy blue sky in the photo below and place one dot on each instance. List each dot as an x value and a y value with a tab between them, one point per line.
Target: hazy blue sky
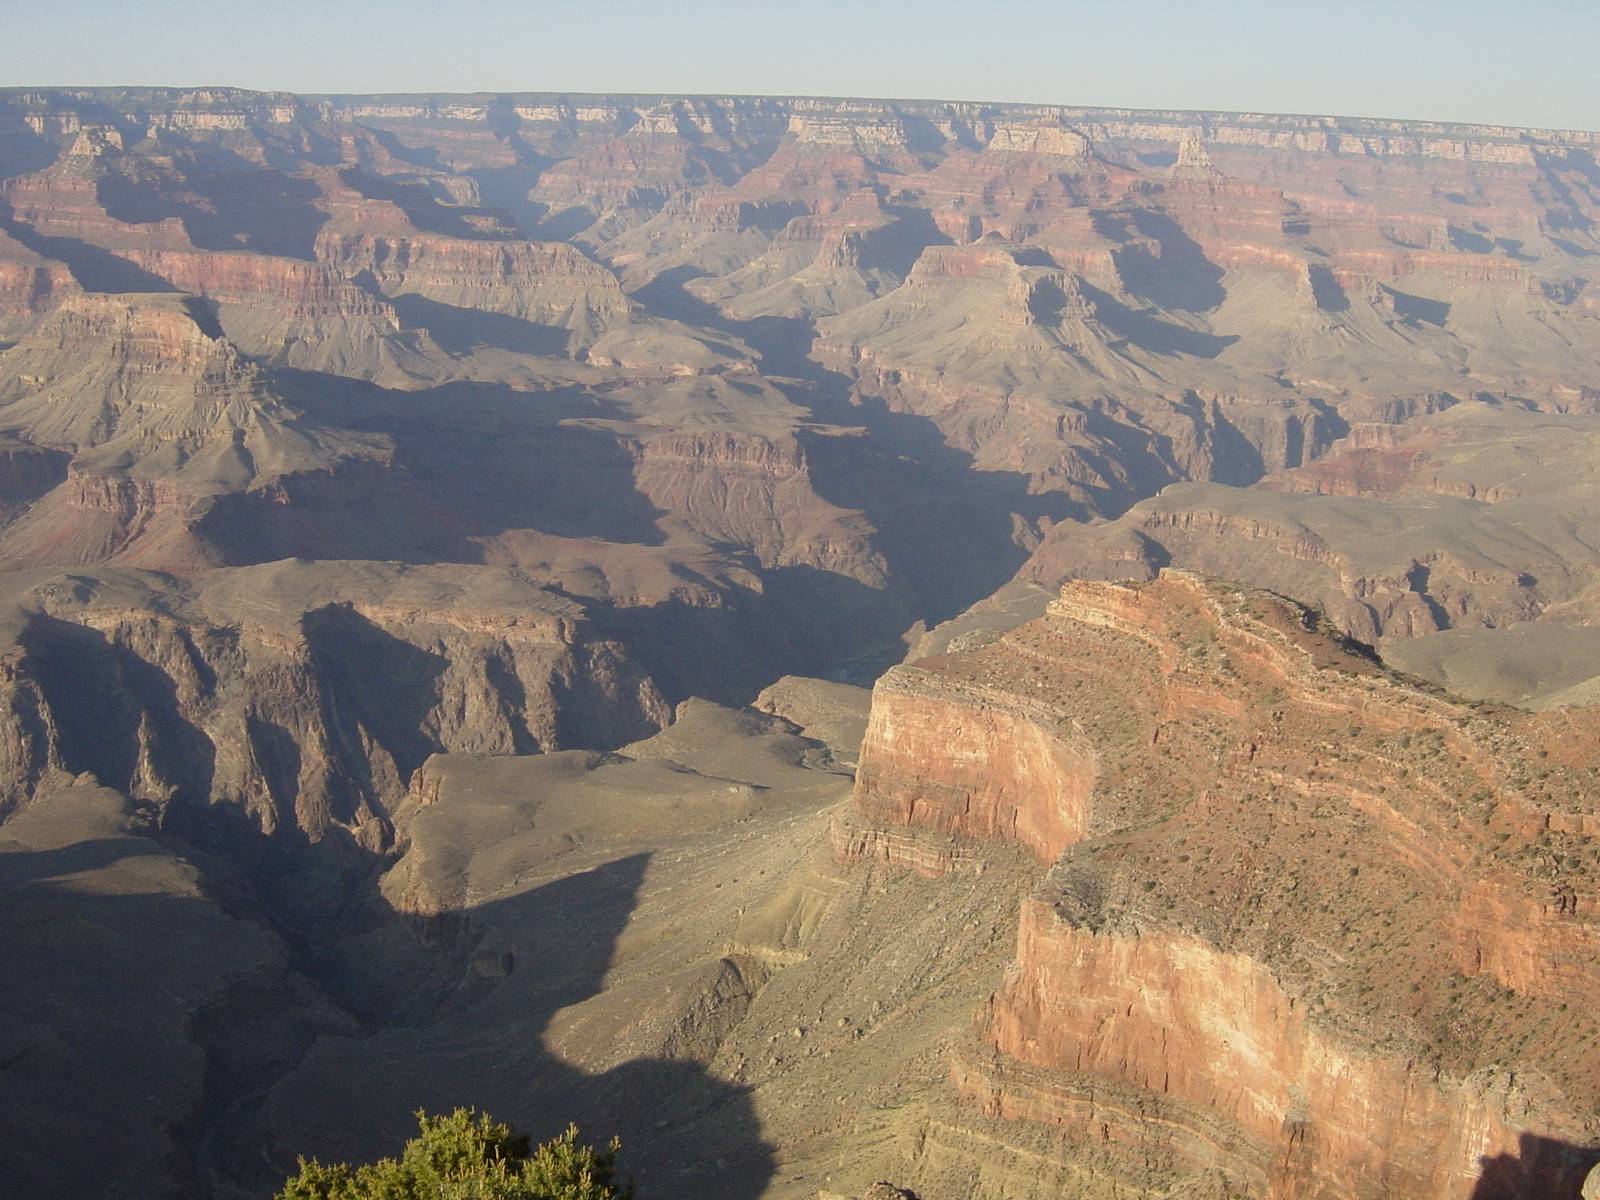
1532	63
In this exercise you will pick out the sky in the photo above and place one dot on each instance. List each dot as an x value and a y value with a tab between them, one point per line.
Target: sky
1529	63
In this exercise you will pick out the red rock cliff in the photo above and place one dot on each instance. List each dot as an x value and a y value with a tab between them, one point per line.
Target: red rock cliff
1307	925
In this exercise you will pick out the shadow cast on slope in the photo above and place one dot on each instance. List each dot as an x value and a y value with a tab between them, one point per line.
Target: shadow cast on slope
94	1000
387	685
522	959
476	461
1182	278
1542	1169
242	208
803	621
1150	332
461	330
421	209
117	715
508	188
1417	310
22	152
947	530
271	1044
473	460
95	270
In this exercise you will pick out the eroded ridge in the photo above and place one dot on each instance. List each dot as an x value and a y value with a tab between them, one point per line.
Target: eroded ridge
1307	922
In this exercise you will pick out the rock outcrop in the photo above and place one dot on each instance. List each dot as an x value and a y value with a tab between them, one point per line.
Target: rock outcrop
297	699
1310	925
947	757
160	416
1394	534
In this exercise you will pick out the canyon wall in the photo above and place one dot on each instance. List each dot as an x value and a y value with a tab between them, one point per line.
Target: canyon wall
341	435
1309	926
306	718
947	759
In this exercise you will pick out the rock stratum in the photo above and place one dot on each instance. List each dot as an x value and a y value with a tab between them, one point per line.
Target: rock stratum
1305	923
444	542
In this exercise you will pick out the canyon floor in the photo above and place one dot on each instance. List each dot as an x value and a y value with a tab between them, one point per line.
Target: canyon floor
1018	651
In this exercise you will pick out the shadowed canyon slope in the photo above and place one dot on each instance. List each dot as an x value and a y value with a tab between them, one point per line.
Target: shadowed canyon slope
444	539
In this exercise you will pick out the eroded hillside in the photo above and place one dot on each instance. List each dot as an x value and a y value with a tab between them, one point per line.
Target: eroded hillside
1305	923
442	539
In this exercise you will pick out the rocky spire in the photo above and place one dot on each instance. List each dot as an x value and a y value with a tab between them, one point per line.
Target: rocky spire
1192	156
95	141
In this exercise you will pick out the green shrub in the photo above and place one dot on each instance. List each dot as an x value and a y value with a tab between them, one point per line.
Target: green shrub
468	1156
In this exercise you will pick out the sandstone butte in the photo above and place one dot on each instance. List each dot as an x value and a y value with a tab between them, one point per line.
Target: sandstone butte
1297	918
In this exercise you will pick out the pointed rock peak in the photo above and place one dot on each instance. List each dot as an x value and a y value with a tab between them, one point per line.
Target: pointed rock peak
148	366
96	141
1192	156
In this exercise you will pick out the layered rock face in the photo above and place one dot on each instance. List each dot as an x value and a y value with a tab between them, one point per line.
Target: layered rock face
1467	519
1309	925
30	285
1084	305
299	698
550	285
299	314
388	485
160	415
944	758
758	492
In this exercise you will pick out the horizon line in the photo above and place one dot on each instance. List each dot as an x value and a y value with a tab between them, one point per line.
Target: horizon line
9	89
